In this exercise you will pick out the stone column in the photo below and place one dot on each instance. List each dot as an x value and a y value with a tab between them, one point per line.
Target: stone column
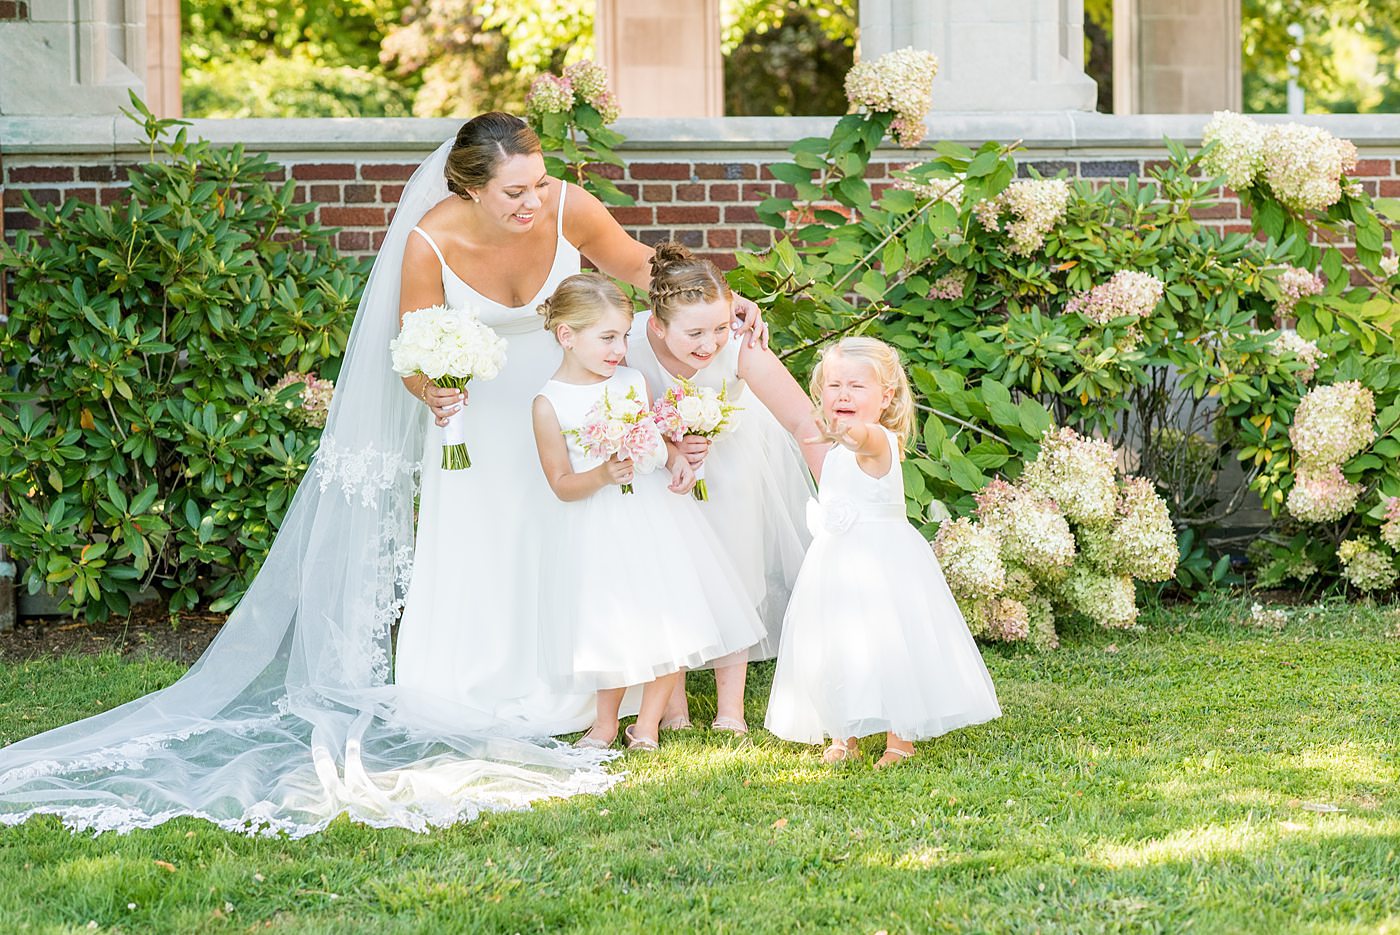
72	57
663	56
994	55
1176	56
163	58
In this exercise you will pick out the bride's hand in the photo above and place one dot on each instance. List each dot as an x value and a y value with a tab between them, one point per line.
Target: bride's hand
443	400
753	324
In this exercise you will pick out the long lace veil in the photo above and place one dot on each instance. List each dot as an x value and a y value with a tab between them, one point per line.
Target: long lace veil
289	718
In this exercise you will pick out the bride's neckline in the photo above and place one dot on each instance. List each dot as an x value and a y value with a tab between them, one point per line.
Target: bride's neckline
548	276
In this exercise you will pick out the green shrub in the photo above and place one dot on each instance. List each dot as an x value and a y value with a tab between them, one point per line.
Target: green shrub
139	444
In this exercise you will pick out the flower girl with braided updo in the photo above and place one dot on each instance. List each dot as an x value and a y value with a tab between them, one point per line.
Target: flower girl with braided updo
758	480
637	586
873	640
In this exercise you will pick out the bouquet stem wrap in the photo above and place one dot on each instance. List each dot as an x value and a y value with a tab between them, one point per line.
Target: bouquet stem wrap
454	434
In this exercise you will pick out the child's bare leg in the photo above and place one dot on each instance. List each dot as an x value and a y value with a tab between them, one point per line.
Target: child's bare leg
897	750
731	672
677	713
654	697
605	719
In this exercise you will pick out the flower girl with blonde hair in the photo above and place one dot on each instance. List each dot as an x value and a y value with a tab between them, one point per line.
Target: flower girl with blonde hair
873	640
637	587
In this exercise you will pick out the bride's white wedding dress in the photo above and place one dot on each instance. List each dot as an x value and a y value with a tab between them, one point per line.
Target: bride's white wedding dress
290	718
470	636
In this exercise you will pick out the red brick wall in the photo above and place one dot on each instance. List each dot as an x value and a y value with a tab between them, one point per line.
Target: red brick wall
13	11
706	205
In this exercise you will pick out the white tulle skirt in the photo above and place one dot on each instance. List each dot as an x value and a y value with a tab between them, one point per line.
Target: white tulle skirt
759	486
638	586
873	642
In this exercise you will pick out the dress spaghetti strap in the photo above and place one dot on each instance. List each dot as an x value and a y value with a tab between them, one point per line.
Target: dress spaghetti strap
424	234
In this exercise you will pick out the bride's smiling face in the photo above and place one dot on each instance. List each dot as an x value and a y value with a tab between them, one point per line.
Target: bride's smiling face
696	332
516	193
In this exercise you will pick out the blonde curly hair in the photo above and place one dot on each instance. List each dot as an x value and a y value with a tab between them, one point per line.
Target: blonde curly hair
884	360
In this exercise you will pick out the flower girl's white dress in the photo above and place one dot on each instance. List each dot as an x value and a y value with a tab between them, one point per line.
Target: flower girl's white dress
873	640
634	585
759	484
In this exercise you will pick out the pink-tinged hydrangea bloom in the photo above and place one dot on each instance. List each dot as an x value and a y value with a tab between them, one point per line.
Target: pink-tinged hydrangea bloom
1077	473
589	81
1040	614
899	83
1127	294
549	95
1333	423
949	287
1296	283
949	190
1321	494
315	396
1032	530
971	559
1035	207
1303	166
1367	566
1390	526
1289	344
1143	537
1003	619
1238	151
1108	600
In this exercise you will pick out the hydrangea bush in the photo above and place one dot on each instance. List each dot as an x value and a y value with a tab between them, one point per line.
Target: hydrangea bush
1068	537
570	112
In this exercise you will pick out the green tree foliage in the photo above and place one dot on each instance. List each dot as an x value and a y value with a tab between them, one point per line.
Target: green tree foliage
289	59
460	66
787	59
1348	60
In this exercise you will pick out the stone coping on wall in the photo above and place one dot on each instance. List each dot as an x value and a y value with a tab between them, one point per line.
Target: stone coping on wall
664	138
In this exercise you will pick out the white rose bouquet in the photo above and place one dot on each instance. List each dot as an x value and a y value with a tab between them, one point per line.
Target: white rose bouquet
624	428
450	347
687	409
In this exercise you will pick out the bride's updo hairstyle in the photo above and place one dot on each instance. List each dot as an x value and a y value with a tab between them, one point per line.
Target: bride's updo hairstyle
483	143
677	279
582	300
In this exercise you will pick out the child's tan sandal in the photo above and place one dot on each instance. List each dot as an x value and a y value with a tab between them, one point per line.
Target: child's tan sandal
838	752
732	724
899	757
589	742
639	744
680	722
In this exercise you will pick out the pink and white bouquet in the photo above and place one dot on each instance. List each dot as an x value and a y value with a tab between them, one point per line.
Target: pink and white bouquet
451	347
622	427
687	409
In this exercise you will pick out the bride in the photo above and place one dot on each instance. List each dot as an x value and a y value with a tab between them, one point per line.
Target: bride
291	718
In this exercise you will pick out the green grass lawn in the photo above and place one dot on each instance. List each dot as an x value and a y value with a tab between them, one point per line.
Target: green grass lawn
1200	775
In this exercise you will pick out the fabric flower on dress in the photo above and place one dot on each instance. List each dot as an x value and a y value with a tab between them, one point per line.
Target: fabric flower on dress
835	516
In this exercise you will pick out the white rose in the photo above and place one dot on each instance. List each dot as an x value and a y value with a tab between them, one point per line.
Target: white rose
691	411
711	414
